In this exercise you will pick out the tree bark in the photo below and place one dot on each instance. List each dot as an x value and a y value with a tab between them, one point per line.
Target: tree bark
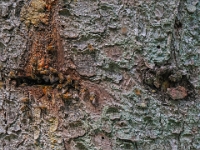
99	74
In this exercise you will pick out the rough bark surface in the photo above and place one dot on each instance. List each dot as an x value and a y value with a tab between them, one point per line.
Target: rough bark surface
99	74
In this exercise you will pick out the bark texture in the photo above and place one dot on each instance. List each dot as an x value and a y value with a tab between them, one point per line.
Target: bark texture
99	74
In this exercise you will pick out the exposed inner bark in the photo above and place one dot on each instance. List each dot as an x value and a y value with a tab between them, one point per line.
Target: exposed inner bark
45	52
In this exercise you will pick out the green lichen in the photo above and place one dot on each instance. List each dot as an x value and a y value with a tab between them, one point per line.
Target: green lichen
34	13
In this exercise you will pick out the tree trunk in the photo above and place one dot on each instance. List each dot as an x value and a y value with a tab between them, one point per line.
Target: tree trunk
99	74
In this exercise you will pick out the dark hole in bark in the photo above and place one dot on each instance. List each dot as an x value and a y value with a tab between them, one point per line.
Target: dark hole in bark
163	78
29	81
177	24
102	138
158	46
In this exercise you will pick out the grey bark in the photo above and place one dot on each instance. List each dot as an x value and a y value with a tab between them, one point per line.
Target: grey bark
126	75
